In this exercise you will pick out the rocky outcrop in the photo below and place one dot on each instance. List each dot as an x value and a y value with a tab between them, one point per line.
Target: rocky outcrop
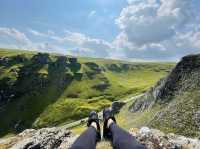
73	60
93	69
116	106
155	139
60	138
174	100
46	138
184	77
93	66
61	61
101	86
4	61
114	67
40	58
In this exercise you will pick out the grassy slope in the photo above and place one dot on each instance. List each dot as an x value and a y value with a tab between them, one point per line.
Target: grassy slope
177	116
52	106
129	120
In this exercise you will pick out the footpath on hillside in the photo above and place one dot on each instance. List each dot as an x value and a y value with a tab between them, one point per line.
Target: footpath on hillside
62	138
84	120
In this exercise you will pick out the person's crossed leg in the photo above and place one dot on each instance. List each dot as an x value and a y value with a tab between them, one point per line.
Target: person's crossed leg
120	138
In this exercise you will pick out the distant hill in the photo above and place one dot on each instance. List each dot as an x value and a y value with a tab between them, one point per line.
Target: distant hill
175	100
41	89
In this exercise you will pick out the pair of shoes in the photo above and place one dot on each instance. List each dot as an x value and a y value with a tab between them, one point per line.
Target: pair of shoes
93	117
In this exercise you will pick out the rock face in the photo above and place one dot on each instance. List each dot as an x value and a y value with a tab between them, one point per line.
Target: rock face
116	106
184	77
41	58
177	97
46	138
114	67
155	139
101	86
73	60
60	138
93	66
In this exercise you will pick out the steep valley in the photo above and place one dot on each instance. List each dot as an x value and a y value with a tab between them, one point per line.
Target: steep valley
173	104
42	90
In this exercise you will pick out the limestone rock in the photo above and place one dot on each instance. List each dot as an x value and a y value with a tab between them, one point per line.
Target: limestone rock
185	76
116	106
46	138
155	139
60	138
101	86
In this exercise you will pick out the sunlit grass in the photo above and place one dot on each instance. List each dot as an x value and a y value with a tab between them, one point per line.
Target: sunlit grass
52	106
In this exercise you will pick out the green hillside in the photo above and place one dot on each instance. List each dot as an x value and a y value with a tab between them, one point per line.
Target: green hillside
39	89
172	105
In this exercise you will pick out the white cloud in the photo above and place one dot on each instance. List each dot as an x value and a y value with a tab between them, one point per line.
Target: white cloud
92	13
149	30
48	47
80	41
15	35
158	29
148	21
49	34
190	38
13	38
36	33
195	39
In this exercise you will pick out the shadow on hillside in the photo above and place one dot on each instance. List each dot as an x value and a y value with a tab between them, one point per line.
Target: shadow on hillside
34	91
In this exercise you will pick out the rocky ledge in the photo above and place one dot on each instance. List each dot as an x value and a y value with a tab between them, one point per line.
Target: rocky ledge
60	138
155	139
184	77
46	138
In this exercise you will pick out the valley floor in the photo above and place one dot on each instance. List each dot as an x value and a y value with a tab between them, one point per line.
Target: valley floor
65	89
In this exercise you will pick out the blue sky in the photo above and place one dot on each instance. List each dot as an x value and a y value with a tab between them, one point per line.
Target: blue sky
120	29
86	16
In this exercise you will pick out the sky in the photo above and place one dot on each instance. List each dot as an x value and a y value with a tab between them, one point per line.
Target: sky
135	30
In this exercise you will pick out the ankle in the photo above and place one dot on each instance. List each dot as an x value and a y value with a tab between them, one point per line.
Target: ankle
110	121
94	124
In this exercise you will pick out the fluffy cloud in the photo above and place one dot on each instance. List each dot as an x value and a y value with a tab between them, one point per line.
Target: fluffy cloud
13	38
190	38
92	13
11	34
48	47
36	33
49	34
148	21
76	43
158	29
79	43
149	30
94	47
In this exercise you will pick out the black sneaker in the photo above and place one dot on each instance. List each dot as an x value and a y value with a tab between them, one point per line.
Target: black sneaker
93	117
107	114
